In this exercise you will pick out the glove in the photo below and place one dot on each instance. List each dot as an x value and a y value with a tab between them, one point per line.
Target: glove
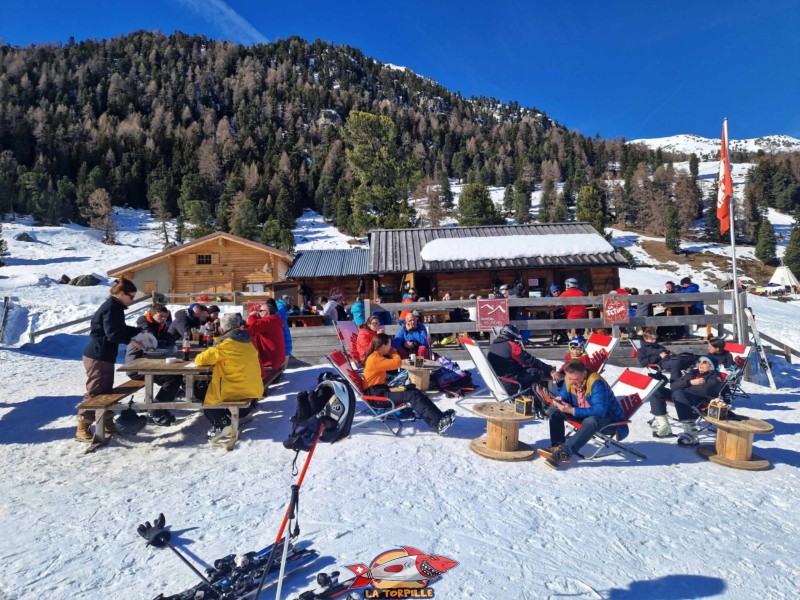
155	534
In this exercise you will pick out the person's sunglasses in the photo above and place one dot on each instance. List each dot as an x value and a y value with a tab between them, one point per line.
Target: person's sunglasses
375	323
703	362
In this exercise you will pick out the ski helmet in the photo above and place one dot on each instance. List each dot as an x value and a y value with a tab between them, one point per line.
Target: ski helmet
129	423
576	342
511	332
571	283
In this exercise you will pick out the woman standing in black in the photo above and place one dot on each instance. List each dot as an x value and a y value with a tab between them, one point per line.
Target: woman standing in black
108	331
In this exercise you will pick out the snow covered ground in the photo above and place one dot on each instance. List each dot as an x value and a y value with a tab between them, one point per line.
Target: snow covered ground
672	526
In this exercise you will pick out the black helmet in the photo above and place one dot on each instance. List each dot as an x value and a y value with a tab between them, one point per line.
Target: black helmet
129	423
511	332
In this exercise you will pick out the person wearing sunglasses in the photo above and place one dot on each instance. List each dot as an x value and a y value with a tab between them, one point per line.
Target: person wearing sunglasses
366	332
265	327
697	387
108	331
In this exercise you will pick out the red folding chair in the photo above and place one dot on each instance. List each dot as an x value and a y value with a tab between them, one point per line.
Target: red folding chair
631	390
733	381
598	348
493	382
380	407
347	331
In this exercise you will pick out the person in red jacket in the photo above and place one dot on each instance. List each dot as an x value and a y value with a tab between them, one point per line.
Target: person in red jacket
575	311
366	332
265	327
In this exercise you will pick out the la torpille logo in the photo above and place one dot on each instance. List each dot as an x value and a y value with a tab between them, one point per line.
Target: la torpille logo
403	573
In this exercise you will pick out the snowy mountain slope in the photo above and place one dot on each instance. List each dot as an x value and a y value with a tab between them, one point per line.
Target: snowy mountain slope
709	147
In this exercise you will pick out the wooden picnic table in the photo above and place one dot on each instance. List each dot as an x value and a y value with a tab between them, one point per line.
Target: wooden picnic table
734	447
502	432
152	367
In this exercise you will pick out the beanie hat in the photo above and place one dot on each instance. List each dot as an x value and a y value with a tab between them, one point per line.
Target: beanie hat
230	321
554	288
622	291
709	359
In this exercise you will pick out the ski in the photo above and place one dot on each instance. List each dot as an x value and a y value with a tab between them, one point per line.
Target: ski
762	354
237	578
331	587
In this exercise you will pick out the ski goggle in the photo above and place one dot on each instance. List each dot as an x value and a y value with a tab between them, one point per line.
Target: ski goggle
575	346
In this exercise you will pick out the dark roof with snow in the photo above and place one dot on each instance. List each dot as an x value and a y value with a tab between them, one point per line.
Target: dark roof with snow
329	263
398	250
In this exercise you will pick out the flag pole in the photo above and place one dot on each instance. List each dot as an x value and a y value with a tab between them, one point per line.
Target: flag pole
739	333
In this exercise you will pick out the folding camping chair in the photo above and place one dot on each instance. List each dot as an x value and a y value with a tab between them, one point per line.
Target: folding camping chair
347	331
380	407
490	378
632	390
741	355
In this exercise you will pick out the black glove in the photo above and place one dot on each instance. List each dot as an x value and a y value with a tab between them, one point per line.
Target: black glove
155	534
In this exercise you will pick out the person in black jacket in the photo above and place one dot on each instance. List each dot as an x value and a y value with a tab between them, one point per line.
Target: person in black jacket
653	353
108	331
698	386
154	322
187	319
509	359
717	352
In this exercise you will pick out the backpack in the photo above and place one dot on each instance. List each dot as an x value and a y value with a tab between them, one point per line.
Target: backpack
330	405
452	379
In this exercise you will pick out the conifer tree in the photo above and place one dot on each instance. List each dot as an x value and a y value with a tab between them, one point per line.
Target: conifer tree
476	207
180	229
382	174
694	166
765	245
3	244
508	198
223	215
447	192
711	231
276	235
245	220
522	207
589	208
672	226
791	257
547	201
560	210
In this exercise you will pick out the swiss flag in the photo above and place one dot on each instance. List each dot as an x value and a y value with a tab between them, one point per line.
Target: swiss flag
725	190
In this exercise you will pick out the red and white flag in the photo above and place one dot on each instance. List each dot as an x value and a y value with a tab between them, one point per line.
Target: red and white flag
725	190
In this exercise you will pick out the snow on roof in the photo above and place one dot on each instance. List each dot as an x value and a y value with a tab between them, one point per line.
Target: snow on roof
513	246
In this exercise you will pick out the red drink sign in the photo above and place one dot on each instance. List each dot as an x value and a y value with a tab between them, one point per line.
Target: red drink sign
491	313
615	309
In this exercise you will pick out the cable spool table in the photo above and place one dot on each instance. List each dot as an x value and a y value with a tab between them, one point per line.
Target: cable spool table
501	441
734	446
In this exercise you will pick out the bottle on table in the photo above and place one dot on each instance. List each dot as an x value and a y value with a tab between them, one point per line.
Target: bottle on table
186	346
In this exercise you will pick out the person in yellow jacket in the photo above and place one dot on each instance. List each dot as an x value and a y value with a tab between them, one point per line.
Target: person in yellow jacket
236	376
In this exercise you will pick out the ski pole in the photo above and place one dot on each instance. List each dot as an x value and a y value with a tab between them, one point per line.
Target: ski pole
294	504
192	567
289	510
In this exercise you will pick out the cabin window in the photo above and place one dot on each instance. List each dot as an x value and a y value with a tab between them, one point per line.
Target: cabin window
203	259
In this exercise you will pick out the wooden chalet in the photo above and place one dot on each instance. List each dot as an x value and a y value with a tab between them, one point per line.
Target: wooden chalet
215	264
396	260
332	273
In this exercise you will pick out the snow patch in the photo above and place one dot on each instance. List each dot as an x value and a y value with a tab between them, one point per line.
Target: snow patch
513	246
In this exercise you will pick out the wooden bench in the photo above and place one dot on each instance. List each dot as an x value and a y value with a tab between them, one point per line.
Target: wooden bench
115	401
117	394
274	374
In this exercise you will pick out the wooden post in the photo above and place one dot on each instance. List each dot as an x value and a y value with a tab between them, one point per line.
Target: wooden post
367	309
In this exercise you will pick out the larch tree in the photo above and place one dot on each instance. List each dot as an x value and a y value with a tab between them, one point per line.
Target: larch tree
100	214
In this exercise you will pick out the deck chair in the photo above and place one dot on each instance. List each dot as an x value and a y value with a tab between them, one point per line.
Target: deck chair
493	382
632	390
598	348
347	331
741	355
380	408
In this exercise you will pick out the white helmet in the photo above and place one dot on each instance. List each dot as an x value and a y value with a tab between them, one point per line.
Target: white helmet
571	283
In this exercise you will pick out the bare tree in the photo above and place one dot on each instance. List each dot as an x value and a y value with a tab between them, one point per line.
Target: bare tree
100	214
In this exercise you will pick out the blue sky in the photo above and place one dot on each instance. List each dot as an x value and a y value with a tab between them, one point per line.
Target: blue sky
625	68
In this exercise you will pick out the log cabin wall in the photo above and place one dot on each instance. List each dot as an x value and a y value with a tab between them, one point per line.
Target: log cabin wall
220	265
321	286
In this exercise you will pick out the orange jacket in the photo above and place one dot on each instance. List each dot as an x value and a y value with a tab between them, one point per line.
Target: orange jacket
376	367
408	311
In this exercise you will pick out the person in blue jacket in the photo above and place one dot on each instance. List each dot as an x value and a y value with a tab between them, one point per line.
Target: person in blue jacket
357	311
412	338
283	311
584	397
687	287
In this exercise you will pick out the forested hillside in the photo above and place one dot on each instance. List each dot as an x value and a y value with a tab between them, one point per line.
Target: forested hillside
242	138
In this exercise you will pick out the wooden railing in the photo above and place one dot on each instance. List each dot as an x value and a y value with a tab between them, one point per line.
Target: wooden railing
32	335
